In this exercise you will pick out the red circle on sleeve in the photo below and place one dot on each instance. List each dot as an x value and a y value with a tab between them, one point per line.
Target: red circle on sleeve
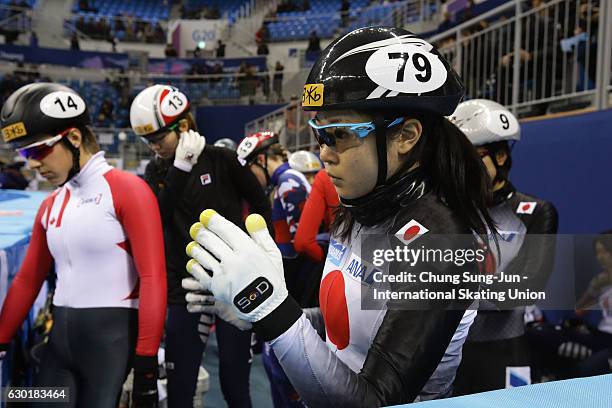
332	299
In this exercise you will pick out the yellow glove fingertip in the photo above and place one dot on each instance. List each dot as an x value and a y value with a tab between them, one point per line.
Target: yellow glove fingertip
190	264
190	247
194	229
255	222
206	216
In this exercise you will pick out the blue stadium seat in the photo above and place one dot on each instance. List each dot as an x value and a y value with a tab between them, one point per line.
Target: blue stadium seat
324	17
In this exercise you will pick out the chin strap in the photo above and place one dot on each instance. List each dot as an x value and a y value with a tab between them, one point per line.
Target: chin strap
269	186
386	200
492	153
76	161
381	149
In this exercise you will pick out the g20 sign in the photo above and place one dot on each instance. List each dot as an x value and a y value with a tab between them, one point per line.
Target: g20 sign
204	35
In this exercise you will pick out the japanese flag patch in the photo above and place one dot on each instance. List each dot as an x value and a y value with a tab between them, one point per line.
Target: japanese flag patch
411	231
205	179
526	207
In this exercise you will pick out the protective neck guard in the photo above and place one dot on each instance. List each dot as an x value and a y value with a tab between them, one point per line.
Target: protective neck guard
503	194
386	200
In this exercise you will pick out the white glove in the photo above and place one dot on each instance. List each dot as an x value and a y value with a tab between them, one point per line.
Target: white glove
198	302
247	272
189	148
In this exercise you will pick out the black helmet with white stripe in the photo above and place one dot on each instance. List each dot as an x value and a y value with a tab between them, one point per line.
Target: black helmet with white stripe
37	110
382	68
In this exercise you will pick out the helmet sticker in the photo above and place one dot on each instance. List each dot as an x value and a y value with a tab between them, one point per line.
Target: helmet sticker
246	147
502	123
376	45
406	68
173	103
14	131
144	129
62	105
313	95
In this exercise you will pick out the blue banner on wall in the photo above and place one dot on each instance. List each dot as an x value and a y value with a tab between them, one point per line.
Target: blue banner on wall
567	161
217	122
101	60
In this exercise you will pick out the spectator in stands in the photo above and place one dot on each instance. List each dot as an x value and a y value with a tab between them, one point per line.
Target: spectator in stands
264	80
446	23
14	10
119	24
11	176
159	35
262	48
105	117
130	29
216	70
95	28
21	72
213	13
106	32
170	51
344	12
305	5
148	32
10	36
74	42
33	39
203	69
197	51
90	27
263	34
575	348
588	25
140	29
80	24
8	84
33	74
286	6
247	81
220	49
270	16
191	74
112	41
314	42
467	13
539	56
84	6
121	83
277	82
203	13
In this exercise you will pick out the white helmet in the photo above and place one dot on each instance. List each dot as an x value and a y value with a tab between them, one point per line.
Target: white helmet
484	121
157	108
305	162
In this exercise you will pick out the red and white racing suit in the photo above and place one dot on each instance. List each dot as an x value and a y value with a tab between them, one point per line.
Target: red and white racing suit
102	232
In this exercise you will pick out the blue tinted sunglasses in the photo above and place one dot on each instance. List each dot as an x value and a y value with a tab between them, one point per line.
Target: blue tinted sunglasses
361	130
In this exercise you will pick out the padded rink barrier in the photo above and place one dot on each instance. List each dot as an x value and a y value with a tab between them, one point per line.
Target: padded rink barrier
590	392
17	212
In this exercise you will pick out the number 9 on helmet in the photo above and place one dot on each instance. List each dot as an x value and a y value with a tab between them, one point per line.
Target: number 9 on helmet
484	121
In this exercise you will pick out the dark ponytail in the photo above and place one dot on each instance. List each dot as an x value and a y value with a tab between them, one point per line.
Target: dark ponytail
454	169
457	173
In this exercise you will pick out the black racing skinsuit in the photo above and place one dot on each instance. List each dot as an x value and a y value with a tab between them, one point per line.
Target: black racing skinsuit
217	181
527	226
